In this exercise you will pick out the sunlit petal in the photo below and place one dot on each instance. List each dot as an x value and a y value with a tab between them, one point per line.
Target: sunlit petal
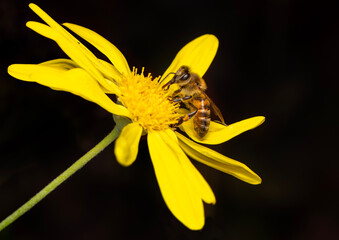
127	145
107	48
71	46
109	71
218	161
60	63
43	30
75	80
219	133
177	191
193	175
68	64
197	54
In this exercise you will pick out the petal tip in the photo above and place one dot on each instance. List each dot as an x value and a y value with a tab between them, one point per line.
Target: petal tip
261	120
33	6
256	181
256	121
30	24
196	228
212	39
195	225
212	36
12	69
67	24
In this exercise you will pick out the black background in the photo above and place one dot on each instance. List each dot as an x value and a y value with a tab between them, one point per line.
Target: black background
276	58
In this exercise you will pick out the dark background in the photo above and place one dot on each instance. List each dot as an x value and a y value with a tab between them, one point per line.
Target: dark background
276	58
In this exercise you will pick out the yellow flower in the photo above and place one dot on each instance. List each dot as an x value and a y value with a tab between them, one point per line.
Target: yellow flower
143	108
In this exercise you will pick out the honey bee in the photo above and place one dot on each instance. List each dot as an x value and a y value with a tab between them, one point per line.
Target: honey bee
192	94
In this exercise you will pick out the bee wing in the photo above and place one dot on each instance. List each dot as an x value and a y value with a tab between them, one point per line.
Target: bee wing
215	109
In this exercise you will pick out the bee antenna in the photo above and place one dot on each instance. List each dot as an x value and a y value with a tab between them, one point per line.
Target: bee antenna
161	80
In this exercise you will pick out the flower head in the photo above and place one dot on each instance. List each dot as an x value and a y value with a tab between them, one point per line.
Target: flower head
147	101
143	107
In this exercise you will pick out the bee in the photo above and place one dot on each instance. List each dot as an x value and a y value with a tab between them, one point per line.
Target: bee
191	92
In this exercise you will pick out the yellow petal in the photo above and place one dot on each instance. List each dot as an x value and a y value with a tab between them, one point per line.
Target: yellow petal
177	191
43	29
69	64
71	46
197	54
109	71
127	144
103	45
218	161
193	175
60	63
75	80
219	133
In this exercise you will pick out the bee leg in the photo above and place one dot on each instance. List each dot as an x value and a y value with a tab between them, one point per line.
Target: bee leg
176	92
186	117
181	99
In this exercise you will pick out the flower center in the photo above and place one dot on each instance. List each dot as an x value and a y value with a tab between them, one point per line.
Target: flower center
147	101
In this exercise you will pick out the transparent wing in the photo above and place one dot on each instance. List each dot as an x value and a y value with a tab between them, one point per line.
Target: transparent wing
215	109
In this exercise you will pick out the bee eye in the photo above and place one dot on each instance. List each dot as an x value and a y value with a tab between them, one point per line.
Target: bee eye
185	76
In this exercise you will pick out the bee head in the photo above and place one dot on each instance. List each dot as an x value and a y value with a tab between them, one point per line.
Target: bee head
182	76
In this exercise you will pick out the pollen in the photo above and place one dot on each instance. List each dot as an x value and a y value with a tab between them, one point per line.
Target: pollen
147	101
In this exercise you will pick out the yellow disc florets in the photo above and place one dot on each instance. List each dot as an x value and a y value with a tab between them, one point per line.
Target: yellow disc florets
147	101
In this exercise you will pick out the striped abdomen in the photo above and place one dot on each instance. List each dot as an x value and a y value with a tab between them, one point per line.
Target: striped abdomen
202	119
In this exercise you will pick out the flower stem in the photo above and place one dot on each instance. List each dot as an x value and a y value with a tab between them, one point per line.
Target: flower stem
62	177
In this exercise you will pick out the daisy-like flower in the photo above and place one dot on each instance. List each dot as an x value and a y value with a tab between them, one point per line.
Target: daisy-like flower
143	107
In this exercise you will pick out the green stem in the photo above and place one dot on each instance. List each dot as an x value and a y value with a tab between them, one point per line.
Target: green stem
62	177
